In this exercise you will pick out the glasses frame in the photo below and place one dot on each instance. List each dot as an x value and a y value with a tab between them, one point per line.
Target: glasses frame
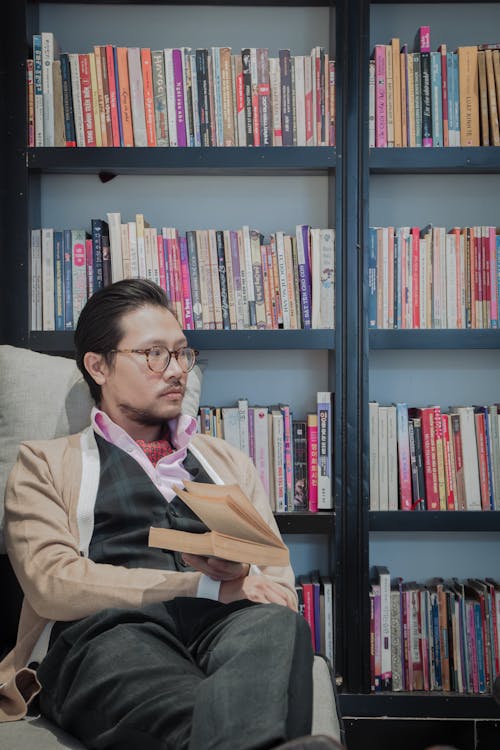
170	352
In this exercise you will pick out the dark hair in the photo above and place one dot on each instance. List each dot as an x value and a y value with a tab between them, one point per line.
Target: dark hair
99	325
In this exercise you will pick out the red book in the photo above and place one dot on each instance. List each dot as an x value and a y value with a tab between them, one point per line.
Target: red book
124	93
482	455
149	105
312	461
87	105
415	276
485	257
448	462
307	589
113	104
430	455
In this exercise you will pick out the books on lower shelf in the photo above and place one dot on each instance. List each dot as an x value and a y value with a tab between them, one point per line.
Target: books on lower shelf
431	277
179	97
428	458
439	635
424	98
234	528
315	595
215	279
284	449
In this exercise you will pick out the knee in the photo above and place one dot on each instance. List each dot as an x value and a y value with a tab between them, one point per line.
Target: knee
285	621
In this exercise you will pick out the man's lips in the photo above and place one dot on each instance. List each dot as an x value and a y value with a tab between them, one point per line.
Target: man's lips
172	393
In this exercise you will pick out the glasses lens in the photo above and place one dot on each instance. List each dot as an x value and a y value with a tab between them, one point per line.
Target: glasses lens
186	358
158	359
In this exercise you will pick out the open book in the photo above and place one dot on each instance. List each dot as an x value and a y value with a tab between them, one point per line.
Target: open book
237	531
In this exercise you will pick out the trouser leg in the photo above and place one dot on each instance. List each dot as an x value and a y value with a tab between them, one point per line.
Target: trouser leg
122	680
258	686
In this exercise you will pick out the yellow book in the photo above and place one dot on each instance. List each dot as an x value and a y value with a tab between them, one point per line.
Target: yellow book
235	529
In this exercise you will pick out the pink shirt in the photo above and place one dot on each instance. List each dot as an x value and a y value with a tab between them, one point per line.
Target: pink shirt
168	471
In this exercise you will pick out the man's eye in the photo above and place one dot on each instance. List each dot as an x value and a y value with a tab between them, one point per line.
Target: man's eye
155	352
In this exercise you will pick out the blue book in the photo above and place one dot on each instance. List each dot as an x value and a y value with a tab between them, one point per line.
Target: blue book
436	640
38	88
450	69
436	98
478	626
372	277
68	280
69	117
59	281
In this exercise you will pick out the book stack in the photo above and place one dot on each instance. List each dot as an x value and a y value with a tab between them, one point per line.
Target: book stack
178	97
315	595
426	458
433	278
215	279
292	456
438	635
424	98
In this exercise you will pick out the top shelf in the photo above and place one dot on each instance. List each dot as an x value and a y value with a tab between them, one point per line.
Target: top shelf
451	160
280	160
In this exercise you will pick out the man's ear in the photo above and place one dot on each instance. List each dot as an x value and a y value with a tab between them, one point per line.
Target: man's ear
96	366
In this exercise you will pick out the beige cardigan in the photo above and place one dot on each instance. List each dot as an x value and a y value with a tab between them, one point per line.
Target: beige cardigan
59	583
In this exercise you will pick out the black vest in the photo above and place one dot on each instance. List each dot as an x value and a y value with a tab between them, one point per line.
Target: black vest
128	503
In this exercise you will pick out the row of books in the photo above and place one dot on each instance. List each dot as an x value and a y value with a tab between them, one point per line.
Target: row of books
315	595
439	635
423	458
293	457
131	96
215	279
426	98
433	278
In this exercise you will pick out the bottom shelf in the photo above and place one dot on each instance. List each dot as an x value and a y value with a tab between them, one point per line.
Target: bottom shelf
419	705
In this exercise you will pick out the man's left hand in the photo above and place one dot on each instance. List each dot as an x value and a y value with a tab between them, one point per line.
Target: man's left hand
216	568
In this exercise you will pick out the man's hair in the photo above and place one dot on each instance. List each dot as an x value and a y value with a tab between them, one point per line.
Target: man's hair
99	325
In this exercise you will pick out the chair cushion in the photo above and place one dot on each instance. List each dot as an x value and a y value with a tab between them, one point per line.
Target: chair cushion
42	397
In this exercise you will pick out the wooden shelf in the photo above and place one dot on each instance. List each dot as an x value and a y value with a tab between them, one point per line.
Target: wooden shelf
419	705
57	342
438	521
450	160
434	339
108	162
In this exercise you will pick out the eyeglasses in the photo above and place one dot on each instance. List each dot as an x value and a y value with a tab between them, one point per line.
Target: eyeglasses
159	357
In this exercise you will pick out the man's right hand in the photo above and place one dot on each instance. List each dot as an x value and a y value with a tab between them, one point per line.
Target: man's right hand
257	589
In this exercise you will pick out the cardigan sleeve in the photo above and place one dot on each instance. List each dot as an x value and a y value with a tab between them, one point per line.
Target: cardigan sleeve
58	582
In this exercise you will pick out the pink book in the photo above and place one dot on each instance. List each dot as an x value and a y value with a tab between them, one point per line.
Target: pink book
493	280
270	276
176	277
90	267
312	461
377	642
415	276
113	104
380	98
180	115
405	492
87	105
161	263
187	305
307	590
171	274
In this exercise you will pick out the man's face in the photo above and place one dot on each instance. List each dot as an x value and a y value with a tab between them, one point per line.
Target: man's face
134	396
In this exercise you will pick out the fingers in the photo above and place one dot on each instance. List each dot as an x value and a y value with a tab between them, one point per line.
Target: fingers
216	568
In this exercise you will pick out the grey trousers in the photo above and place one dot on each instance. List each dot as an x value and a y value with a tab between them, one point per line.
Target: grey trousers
189	674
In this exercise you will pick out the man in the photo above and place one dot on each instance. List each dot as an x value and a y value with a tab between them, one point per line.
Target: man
135	646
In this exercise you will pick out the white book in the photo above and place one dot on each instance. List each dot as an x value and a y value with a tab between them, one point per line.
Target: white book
50	52
141	248
261	444
373	452
278	466
115	245
383	478
78	272
422	284
451	281
285	298
48	316
132	243
250	289
125	248
217	95
300	101
148	252
231	425
323	278
170	86
384	579
243	423
244	309
152	237
36	279
392	458
470	459
275	83
371	105
214	273
325	464
328	594
77	99
137	96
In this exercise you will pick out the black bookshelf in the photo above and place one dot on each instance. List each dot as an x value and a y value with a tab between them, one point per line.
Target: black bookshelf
434	339
306	523
194	160
457	160
419	705
56	342
440	521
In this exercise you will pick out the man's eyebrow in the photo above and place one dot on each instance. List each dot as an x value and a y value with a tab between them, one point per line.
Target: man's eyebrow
178	343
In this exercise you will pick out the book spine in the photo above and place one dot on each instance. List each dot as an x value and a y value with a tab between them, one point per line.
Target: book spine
113	101
312	461
405	489
221	267
187	306
58	281
286	97
380	98
79	272
180	114
86	94
324	412
49	53
68	280
69	123
425	78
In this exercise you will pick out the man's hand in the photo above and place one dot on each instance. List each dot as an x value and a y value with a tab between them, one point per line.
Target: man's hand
257	589
216	568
